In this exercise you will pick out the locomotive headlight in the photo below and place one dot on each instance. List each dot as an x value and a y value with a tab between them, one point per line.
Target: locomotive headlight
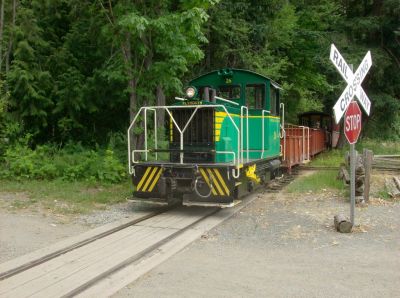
190	92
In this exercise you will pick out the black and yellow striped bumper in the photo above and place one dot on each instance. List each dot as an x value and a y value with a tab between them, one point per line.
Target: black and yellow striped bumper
146	179
197	183
216	182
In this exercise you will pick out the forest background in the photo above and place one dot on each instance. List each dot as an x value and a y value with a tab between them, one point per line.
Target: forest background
73	73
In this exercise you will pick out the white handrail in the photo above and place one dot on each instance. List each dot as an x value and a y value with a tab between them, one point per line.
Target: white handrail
226	100
130	169
228	152
282	132
138	151
236	162
183	130
247	131
282	106
306	155
155	131
263	132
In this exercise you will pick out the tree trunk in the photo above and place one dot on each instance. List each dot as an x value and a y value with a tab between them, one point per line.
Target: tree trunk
11	40
132	82
1	32
132	98
148	60
160	102
377	7
208	57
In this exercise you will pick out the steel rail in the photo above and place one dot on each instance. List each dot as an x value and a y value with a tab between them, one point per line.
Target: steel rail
50	256
135	257
333	168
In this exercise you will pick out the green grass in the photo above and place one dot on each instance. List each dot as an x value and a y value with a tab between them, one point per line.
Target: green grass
379	147
316	182
383	194
334	157
64	196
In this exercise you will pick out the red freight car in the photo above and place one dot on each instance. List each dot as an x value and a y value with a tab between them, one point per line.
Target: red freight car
322	122
299	143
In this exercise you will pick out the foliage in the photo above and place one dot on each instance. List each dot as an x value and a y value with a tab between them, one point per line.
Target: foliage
75	65
77	71
290	43
71	163
3	118
374	25
285	41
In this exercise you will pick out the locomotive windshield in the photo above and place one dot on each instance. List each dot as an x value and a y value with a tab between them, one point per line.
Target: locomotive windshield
229	92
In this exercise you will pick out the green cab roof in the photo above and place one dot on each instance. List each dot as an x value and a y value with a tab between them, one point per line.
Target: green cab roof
234	73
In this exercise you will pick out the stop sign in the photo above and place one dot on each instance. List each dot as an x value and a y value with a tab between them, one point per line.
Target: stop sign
352	122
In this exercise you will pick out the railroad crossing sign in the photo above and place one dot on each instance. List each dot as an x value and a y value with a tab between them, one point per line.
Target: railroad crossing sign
352	122
353	80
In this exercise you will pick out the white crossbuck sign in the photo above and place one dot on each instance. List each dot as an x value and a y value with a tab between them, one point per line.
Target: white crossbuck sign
353	80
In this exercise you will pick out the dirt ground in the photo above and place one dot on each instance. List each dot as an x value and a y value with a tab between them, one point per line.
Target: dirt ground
285	245
24	233
281	245
28	228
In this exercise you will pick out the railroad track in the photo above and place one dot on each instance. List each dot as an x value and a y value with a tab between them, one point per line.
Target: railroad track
73	269
375	166
276	185
64	250
317	168
105	261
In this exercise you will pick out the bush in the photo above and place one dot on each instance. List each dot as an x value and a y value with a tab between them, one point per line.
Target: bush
73	162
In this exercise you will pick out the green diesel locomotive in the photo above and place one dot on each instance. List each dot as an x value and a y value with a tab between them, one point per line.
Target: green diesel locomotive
223	140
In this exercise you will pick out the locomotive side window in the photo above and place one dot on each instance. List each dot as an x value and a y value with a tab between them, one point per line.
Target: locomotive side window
273	101
255	96
229	92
